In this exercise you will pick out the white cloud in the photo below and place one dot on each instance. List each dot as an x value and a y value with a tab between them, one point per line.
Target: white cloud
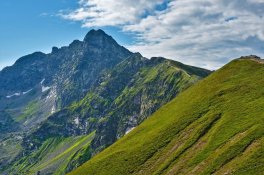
256	1
199	32
95	13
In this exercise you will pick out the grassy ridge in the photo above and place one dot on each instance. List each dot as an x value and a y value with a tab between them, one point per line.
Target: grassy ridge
214	127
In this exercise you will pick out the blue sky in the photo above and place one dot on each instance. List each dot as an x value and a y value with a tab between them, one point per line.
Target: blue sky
34	25
203	33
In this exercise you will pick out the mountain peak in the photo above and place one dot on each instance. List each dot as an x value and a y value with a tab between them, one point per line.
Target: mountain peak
99	31
92	34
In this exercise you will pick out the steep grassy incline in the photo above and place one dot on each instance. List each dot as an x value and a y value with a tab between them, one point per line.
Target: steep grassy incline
214	127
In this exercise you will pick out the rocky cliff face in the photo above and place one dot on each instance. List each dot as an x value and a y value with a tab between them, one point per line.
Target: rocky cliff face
55	80
91	86
87	60
39	84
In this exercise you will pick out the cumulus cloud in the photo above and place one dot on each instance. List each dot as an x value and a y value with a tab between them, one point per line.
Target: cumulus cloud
95	13
199	32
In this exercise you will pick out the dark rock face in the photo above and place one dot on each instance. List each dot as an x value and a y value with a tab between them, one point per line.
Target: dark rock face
61	77
39	84
91	85
19	76
99	52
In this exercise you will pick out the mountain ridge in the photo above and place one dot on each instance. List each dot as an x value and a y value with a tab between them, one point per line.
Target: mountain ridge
92	92
211	128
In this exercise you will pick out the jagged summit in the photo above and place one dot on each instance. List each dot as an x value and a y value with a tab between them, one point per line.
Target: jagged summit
55	49
96	32
98	36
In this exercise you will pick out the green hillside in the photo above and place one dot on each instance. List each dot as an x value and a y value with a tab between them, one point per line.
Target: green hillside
214	127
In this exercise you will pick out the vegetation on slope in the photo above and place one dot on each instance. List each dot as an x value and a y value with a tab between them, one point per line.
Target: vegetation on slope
57	155
9	148
214	127
29	111
121	99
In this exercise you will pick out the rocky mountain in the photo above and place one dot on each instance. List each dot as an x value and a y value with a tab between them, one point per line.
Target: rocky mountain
64	107
40	84
214	127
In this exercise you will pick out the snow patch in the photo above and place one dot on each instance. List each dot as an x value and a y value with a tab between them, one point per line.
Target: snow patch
15	94
27	91
44	88
129	130
42	81
53	109
77	121
18	94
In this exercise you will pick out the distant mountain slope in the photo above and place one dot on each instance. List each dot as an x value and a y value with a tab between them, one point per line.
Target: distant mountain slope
214	127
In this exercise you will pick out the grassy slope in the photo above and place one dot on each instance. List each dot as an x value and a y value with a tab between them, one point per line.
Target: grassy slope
216	126
55	155
30	110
